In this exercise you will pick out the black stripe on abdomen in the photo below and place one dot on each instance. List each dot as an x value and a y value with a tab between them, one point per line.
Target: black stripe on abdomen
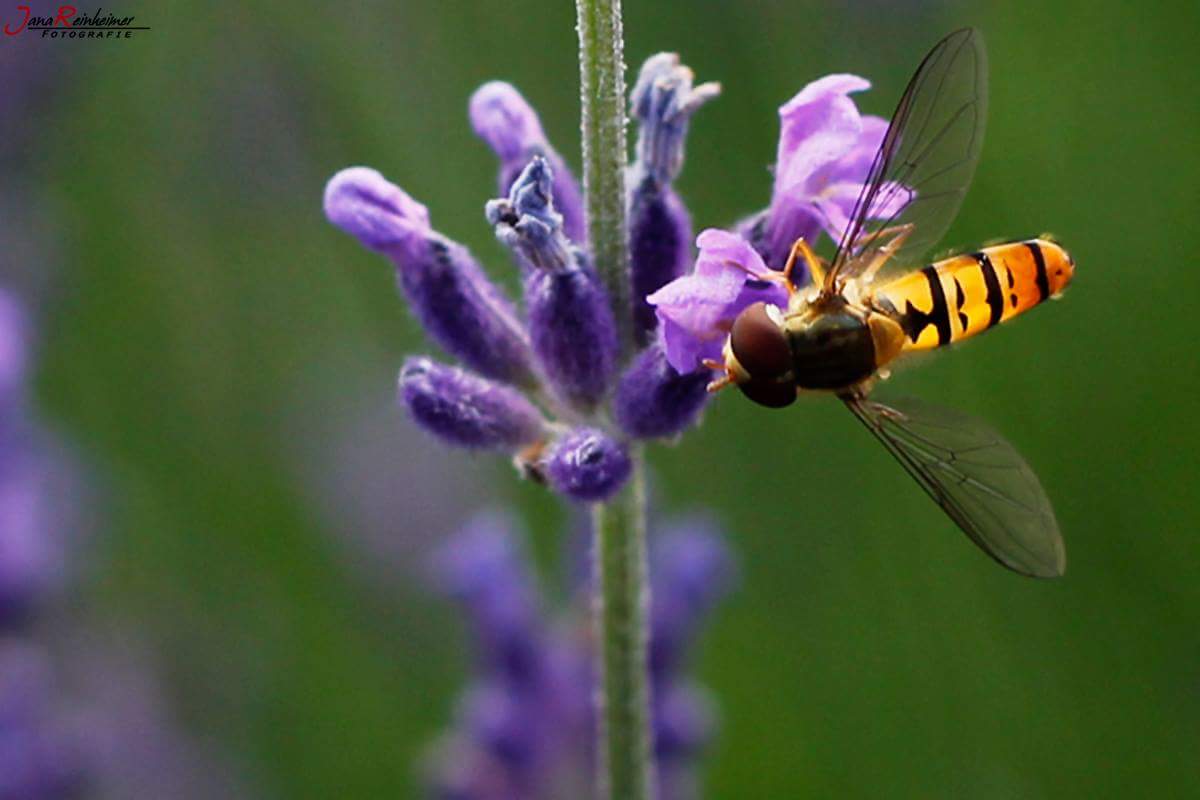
1043	282
995	295
939	314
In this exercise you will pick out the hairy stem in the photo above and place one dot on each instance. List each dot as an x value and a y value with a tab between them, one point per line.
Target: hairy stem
626	766
602	86
621	594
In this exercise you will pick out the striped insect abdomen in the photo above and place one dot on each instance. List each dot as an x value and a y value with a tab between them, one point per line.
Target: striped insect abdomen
954	299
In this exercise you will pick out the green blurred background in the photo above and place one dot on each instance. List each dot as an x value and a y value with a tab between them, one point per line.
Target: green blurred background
209	340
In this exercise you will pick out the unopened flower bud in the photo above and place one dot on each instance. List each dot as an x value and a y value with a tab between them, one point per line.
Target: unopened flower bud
467	410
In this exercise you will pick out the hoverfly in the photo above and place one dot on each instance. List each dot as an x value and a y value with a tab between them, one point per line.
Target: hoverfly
868	306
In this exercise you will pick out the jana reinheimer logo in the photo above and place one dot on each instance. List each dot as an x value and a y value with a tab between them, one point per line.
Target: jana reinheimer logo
69	23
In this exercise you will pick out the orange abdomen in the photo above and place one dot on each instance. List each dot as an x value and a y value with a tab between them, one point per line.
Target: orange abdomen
958	297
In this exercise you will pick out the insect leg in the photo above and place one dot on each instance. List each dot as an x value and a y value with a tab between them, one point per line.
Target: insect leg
899	234
816	268
726	379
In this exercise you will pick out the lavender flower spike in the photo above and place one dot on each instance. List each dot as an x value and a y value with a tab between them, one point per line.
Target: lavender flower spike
587	465
466	410
660	229
654	400
510	126
462	310
570	321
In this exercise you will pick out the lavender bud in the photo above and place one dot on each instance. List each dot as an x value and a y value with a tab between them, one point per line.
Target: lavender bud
654	400
571	324
460	308
503	119
660	229
466	410
663	100
587	465
660	248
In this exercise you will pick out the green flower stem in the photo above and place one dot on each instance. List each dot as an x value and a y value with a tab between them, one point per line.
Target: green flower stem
626	766
602	82
622	595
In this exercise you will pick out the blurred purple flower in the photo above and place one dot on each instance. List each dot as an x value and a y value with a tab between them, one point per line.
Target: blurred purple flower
125	728
35	484
41	756
524	728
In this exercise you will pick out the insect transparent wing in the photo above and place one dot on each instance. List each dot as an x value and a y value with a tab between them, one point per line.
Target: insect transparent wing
926	161
977	478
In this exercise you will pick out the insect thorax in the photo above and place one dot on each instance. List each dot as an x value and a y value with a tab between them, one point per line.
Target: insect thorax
831	349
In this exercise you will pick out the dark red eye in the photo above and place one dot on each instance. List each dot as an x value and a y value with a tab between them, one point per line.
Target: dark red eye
759	344
773	394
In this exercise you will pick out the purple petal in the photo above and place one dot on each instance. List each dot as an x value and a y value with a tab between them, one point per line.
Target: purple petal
819	126
697	310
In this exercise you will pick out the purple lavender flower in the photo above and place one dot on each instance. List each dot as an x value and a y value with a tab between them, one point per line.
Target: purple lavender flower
697	310
825	150
660	229
529	733
568	430
655	400
462	310
466	410
570	320
503	119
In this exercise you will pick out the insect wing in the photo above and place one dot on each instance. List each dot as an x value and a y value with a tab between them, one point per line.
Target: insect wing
977	478
925	164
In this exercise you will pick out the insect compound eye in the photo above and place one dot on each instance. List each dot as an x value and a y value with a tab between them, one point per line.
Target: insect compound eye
759	344
772	394
762	350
